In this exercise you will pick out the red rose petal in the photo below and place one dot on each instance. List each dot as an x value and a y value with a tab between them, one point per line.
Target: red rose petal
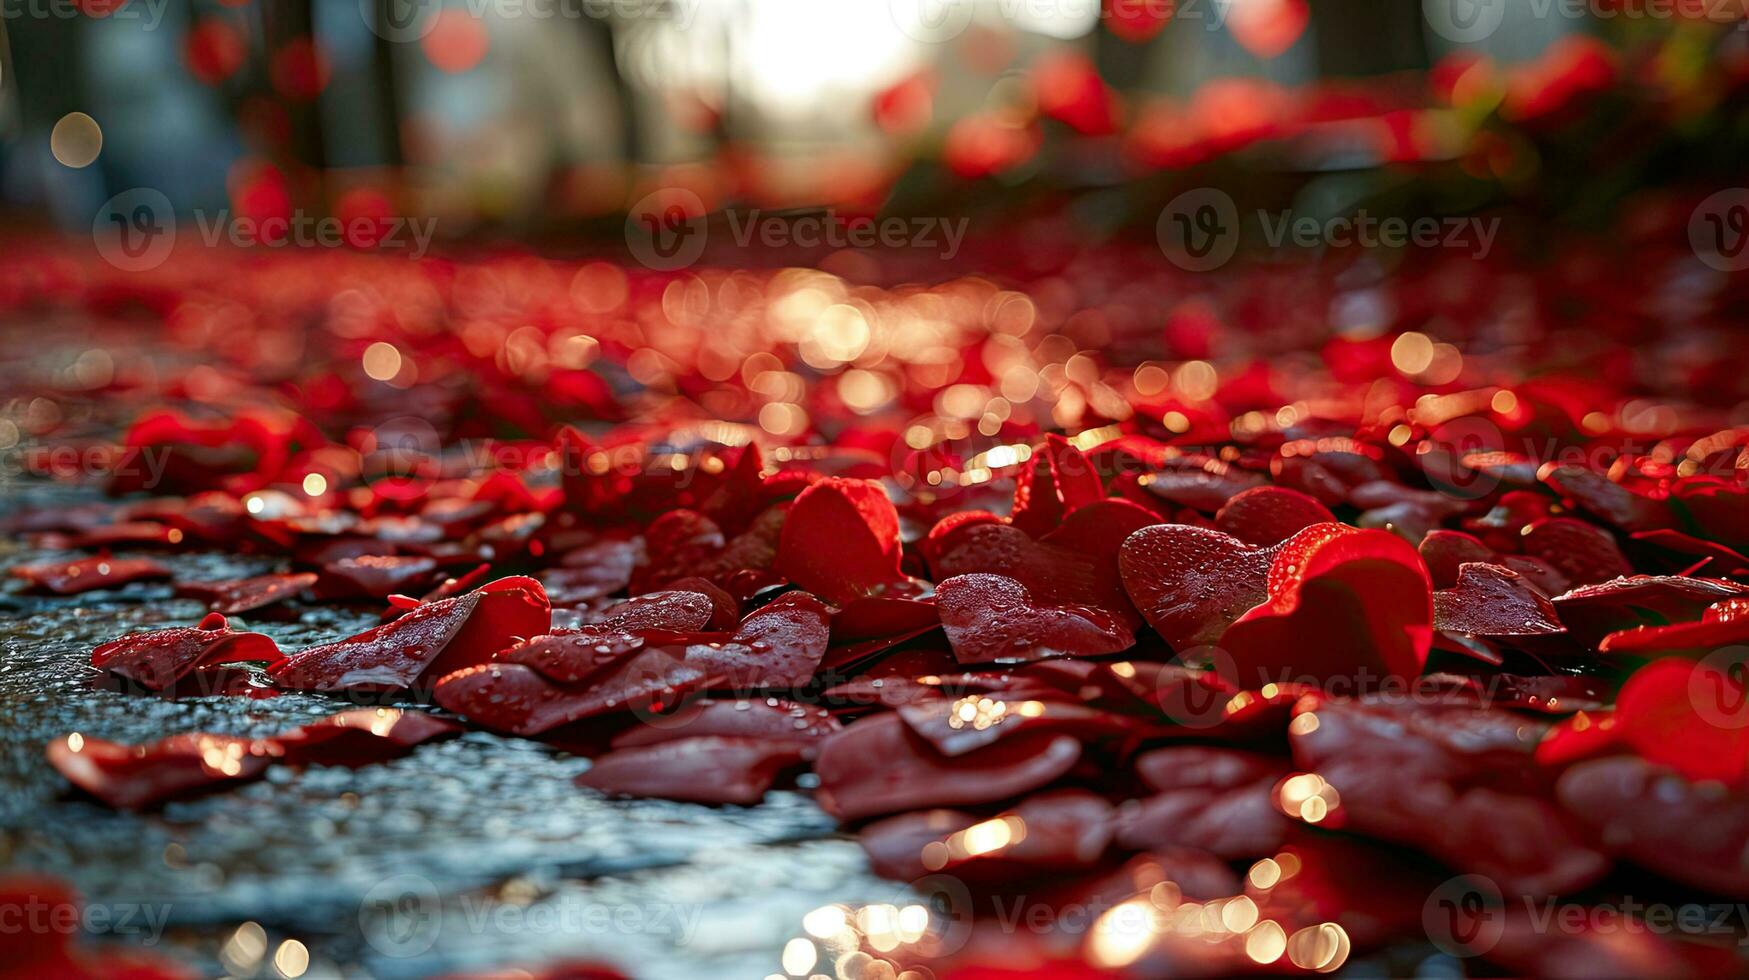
1720	560
1688	716
425	644
1270	515
1724	624
157	660
241	595
1494	601
1445	552
780	645
1658	820
89	574
993	618
1598	495
912	775
360	737
673	610
1342	602
1074	565
966	724
130	777
1457	782
1584	553
758	718
840	541
1056	481
711	769
1720	510
1191	583
375	576
1217	800
1056	832
1592	612
515	698
590	573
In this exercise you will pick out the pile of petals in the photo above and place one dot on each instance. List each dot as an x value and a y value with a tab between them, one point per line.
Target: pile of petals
1255	651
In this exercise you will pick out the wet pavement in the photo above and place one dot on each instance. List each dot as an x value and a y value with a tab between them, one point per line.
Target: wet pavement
467	854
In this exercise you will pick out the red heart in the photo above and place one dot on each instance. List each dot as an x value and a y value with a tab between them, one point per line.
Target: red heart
993	618
1057	481
1191	583
517	698
1072	566
1342	602
1270	515
840	541
878	766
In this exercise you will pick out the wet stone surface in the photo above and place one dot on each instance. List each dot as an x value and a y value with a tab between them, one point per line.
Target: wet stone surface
467	854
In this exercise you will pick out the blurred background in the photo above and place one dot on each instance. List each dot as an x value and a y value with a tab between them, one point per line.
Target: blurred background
536	117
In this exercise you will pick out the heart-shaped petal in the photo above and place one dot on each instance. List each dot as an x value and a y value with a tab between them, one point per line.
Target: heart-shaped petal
516	698
1270	515
1494	601
1056	481
1343	602
840	541
993	618
912	775
779	646
1191	583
